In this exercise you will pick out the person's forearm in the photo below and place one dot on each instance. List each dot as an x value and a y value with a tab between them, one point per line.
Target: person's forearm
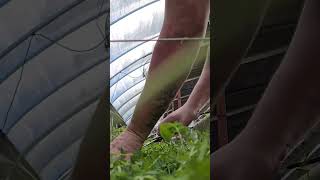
171	61
201	91
291	103
235	25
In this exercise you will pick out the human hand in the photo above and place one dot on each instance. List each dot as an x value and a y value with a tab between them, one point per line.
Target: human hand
127	142
185	115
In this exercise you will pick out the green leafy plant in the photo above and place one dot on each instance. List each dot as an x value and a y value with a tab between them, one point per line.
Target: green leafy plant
116	132
184	155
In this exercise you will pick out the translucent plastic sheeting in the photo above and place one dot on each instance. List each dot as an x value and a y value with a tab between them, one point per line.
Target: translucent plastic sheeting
59	88
54	143
3	2
64	161
57	29
143	61
126	83
53	112
128	114
131	57
123	99
142	24
132	102
129	61
35	14
60	27
55	67
122	8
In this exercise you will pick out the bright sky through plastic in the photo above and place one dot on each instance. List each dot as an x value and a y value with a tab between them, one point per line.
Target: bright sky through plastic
128	61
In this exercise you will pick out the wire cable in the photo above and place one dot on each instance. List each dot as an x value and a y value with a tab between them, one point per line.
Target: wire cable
71	49
142	72
18	83
99	14
127	74
81	50
162	39
116	85
53	42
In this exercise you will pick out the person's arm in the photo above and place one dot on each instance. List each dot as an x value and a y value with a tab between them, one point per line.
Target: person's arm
289	107
197	99
291	103
201	91
170	65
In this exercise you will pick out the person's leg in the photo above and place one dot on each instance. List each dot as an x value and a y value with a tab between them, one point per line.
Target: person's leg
289	107
170	65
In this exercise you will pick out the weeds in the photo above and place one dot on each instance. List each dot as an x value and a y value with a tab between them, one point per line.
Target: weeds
183	155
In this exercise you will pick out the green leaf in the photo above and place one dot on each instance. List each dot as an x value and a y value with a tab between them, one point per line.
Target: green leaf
168	130
184	158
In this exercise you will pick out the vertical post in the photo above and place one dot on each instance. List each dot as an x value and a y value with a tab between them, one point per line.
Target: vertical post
222	126
172	107
179	98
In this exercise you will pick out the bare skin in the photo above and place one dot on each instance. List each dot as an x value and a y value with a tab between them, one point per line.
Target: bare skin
178	22
198	97
289	107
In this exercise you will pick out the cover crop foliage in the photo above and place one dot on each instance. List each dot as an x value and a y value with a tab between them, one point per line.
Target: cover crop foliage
184	154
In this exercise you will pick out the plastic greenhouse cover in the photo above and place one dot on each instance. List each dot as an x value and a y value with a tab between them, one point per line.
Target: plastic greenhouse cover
122	8
128	114
143	61
3	2
131	103
59	88
142	24
131	19
120	102
126	83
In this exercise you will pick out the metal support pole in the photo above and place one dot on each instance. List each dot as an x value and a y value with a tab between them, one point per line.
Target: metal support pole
179	98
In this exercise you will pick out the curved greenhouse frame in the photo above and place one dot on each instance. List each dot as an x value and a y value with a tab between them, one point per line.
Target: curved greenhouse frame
52	72
129	61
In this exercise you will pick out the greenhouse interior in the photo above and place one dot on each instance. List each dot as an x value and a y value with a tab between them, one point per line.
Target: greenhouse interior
241	96
57	69
129	65
53	63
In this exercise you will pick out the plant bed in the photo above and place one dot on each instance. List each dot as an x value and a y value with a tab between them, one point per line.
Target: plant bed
183	154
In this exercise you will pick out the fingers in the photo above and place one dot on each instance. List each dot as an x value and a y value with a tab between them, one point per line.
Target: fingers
126	142
167	119
125	156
